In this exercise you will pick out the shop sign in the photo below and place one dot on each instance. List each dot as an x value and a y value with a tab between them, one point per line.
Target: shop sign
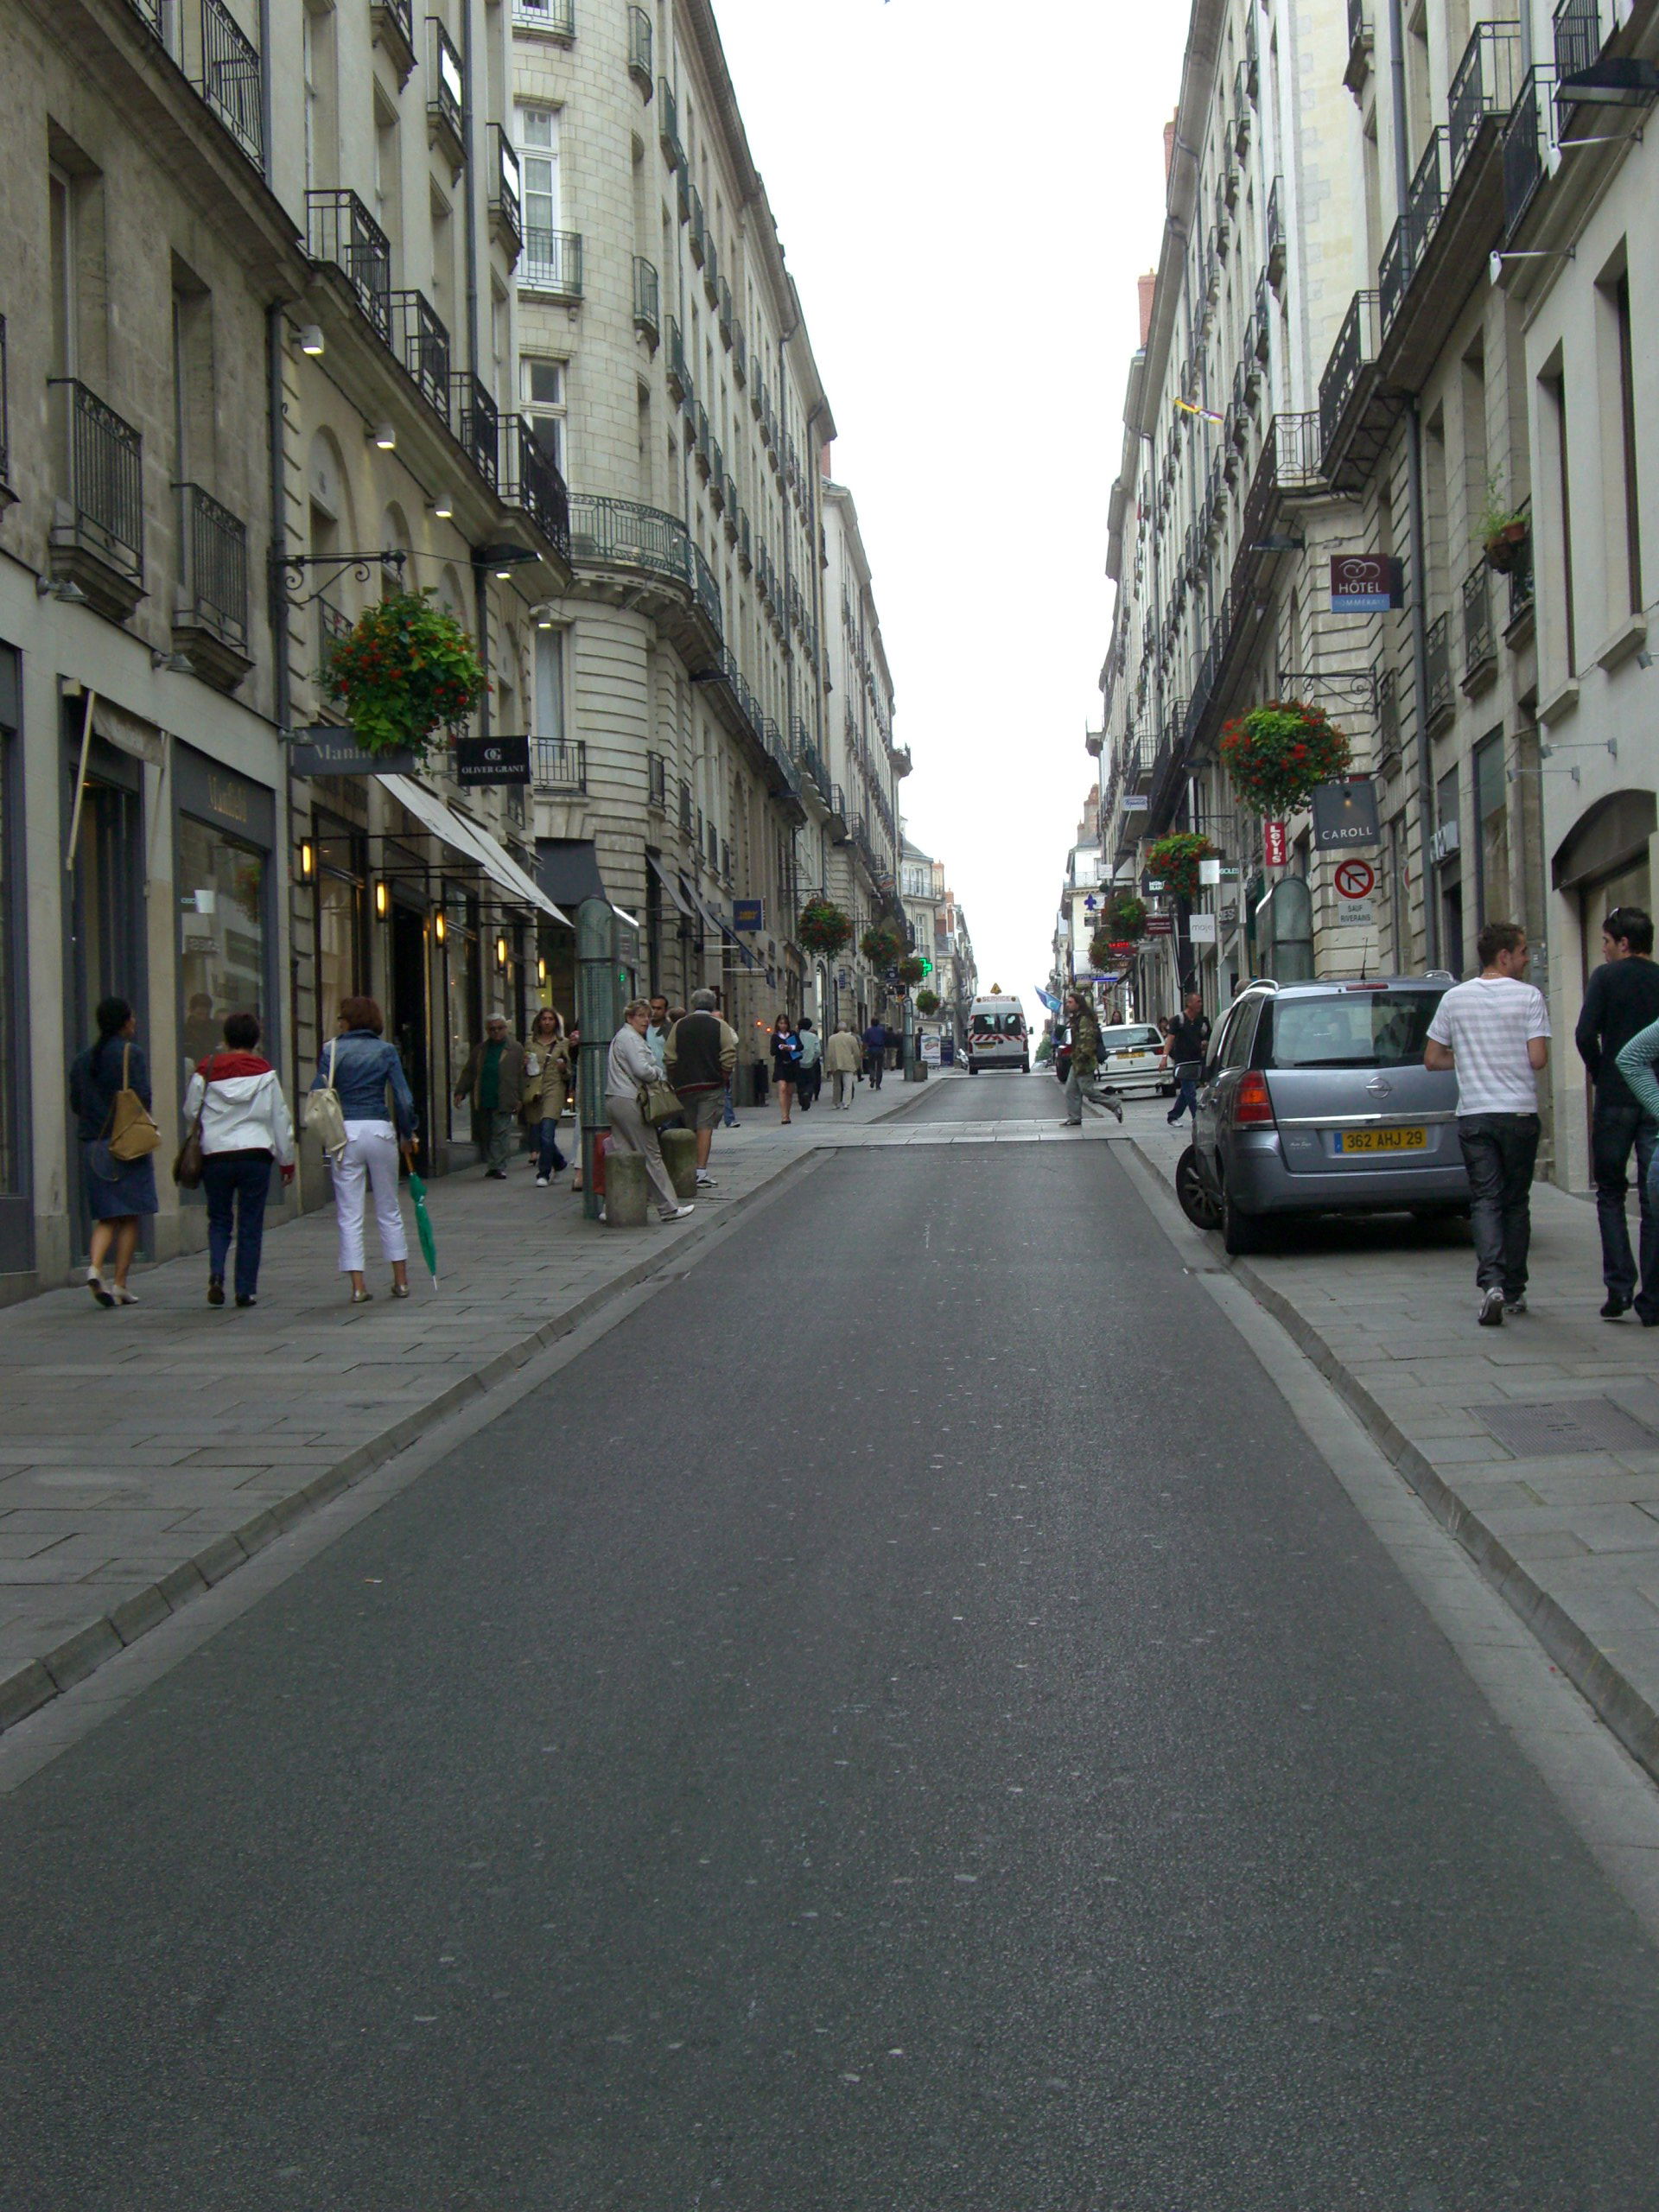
491	760
1276	844
1202	929
1345	814
749	913
1366	583
323	752
1161	925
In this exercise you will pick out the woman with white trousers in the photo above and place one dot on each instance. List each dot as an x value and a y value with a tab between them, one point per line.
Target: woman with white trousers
631	1063
368	1074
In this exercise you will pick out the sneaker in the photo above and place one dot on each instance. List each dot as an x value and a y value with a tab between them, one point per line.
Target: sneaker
541	1182
215	1290
1517	1305
99	1287
495	1174
1613	1307
705	1180
679	1213
1491	1310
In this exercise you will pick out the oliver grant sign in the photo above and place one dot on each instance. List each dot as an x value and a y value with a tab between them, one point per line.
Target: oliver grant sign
1366	583
492	760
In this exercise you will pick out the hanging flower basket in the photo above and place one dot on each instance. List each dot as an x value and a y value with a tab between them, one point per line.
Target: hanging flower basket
822	928
1124	920
1100	950
910	969
882	947
1176	858
404	670
1278	755
927	1002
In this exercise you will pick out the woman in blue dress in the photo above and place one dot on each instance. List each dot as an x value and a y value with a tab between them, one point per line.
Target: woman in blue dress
117	1200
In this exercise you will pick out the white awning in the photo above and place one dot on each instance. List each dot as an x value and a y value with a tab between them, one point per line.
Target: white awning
475	844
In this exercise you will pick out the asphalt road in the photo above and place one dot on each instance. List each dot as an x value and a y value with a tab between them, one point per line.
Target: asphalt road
905	1722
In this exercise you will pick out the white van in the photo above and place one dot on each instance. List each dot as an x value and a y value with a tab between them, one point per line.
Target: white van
996	1035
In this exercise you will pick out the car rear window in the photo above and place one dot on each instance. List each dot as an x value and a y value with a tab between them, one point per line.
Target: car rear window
1128	1040
1350	1029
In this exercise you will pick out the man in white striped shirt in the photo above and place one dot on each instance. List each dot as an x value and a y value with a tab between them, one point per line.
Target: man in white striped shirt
1494	1031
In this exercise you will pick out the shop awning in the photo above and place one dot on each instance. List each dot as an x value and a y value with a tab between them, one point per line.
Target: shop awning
473	843
670	884
568	868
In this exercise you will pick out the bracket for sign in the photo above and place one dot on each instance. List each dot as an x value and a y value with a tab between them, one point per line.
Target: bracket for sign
291	569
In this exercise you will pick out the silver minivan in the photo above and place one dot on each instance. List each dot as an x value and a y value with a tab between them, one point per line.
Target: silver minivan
1314	1099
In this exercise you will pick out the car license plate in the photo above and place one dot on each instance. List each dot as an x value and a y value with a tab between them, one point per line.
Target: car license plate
1381	1139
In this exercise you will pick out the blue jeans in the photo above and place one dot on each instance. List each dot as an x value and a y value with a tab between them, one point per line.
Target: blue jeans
236	1185
1186	1100
550	1160
1614	1132
728	1120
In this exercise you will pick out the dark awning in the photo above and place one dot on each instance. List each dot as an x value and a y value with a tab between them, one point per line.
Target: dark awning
568	868
670	884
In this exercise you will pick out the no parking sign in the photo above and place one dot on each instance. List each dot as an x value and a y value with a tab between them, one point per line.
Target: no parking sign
1355	881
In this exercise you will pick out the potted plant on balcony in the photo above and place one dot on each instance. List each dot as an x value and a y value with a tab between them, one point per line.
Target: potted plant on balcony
822	928
1504	531
404	670
1277	755
1175	858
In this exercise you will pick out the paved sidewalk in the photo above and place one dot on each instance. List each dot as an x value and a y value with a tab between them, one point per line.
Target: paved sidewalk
1537	1443
149	1451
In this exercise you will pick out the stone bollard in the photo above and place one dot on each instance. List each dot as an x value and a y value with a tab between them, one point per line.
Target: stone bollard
680	1157
625	1189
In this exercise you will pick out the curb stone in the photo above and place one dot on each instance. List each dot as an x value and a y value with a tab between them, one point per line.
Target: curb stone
1631	1717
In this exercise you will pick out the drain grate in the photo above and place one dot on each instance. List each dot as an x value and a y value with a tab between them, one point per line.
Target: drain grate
1570	1425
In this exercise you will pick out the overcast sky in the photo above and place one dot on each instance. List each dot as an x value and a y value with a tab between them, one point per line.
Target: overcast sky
966	193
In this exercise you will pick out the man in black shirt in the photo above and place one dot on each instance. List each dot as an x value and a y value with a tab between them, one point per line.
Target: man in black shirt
1621	999
1188	1038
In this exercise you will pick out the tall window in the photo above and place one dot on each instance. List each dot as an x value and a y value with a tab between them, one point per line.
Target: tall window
550	683
62	220
1627	429
538	154
544	392
1553	391
1492	818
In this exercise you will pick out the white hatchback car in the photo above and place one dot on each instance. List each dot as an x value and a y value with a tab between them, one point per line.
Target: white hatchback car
1130	1057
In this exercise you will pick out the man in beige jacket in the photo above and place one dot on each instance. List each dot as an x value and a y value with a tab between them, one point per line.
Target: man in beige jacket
843	1056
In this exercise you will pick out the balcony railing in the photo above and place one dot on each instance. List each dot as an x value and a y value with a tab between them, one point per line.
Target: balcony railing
105	491
552	262
698	235
639	48
1578	35
1393	273
230	79
148	13
1388	714
446	99
391	23
668	125
342	233
473	416
1526	142
647	310
685	805
1359	44
1354	350
556	18
529	482
679	373
1437	703
506	185
657	782
1276	242
1479	647
1521	580
619	534
1484	85
1425	197
215	583
559	764
422	344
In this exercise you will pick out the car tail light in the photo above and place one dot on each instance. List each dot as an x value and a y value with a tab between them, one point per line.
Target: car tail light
1251	1104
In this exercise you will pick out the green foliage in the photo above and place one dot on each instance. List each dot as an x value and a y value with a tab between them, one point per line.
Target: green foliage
823	927
1175	858
882	946
406	668
1278	755
1124	920
910	970
927	1002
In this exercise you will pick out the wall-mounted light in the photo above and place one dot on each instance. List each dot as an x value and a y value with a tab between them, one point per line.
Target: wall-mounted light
541	973
443	506
438	926
385	436
500	952
382	899
311	340
308	859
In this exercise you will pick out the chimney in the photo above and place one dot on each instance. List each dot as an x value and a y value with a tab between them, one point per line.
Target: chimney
1147	286
1169	146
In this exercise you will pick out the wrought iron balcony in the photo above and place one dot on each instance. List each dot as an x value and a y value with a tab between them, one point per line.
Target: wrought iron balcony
148	13
620	533
529	481
1437	703
215	585
1359	45
1393	273
640	49
446	99
474	418
559	764
553	18
391	25
1277	247
711	271
1526	145
506	191
1484	86
342	234
1578	34
103	483
740	350
686	805
1388	714
225	72
421	342
1425	198
1353	353
698	235
725	312
647	312
656	782
1521	577
1480	646
668	125
679	374
552	262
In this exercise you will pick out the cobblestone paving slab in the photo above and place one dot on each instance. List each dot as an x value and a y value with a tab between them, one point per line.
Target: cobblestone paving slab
1387	1310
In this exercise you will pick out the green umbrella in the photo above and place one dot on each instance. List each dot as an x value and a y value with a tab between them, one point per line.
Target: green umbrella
423	1224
